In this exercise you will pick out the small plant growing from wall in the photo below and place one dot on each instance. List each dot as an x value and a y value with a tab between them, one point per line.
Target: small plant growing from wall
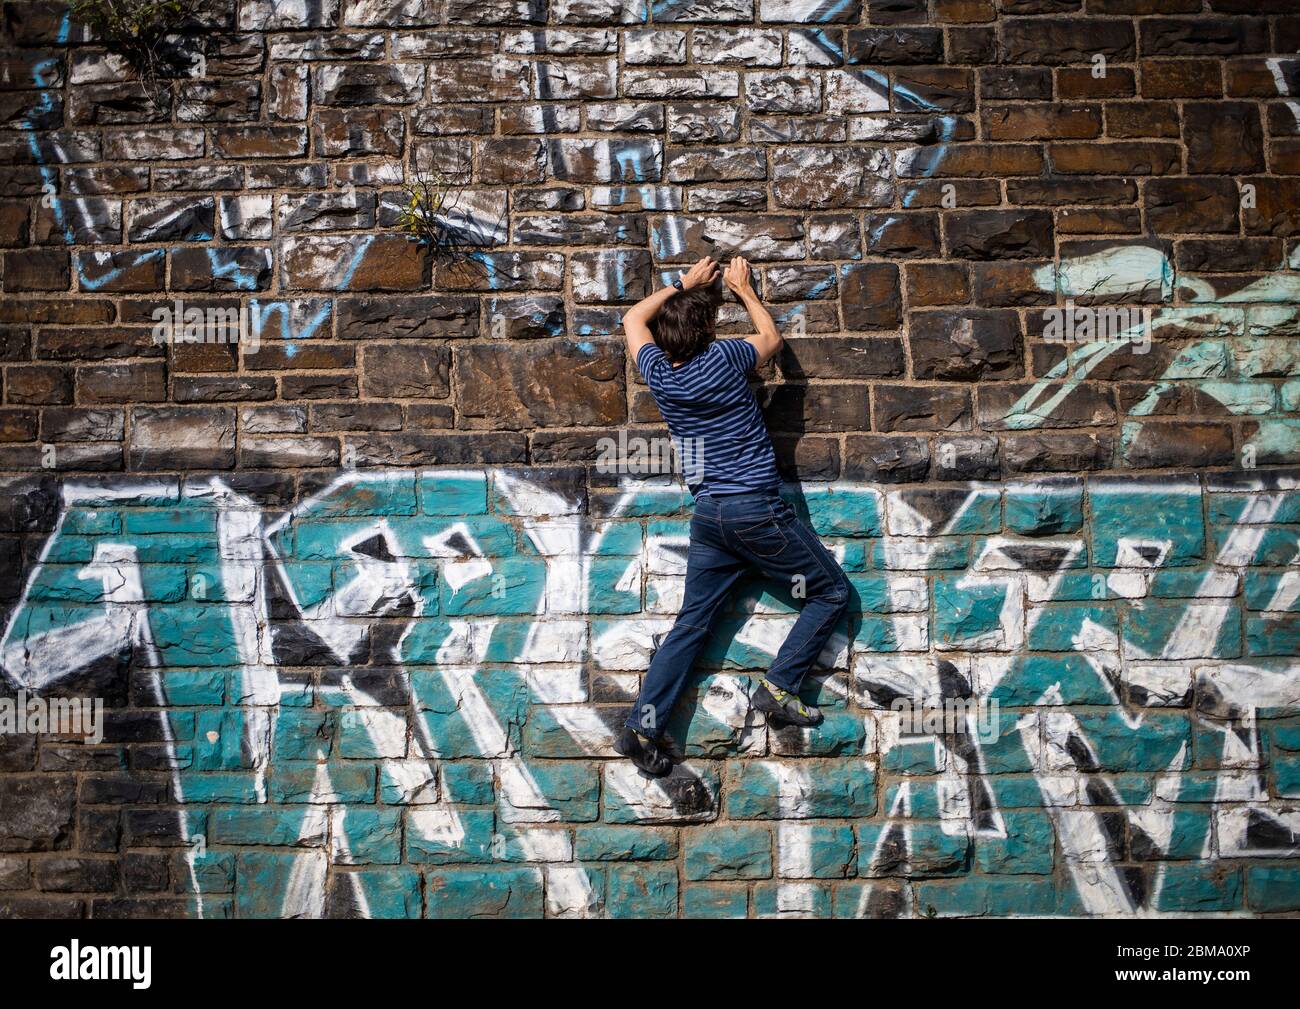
434	208
429	199
138	31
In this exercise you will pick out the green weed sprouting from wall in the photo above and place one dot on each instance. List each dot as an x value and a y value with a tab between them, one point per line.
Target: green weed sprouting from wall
138	31
427	197
435	210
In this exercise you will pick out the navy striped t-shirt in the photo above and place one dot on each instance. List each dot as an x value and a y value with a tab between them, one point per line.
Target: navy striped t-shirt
713	417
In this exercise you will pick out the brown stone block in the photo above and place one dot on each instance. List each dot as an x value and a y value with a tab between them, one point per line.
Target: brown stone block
182	438
319	386
1160	445
36	270
436	449
796	408
517	387
999	234
870	296
1042	122
143	382
937	284
338	262
406	371
842	357
1119	158
1181	79
1073	83
965	345
886	458
1057	452
1009	406
922	408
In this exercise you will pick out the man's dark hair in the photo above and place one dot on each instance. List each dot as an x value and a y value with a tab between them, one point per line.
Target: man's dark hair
685	325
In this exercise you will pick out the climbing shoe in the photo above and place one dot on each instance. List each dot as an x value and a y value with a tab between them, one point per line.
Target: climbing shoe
643	751
782	707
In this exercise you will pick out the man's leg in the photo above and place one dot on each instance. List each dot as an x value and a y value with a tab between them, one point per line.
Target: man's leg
711	571
790	553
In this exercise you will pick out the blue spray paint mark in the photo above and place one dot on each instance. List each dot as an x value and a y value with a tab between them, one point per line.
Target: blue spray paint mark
94	283
240	277
873	236
51	175
282	309
287	332
822	286
931	159
829	13
620	277
346	281
629	156
820	40
489	264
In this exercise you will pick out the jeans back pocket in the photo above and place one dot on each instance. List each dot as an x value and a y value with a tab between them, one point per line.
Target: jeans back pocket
764	539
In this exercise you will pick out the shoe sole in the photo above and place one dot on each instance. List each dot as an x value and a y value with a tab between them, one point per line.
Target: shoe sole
640	765
778	714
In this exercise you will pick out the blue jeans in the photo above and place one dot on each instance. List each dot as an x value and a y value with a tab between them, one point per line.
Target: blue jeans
730	535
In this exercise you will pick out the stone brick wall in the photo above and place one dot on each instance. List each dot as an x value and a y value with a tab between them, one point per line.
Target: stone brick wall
362	604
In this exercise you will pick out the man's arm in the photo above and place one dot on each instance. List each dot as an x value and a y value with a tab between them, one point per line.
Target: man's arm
766	340
636	321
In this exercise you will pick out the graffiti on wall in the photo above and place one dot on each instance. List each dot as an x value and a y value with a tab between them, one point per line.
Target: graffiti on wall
1224	334
397	697
415	669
